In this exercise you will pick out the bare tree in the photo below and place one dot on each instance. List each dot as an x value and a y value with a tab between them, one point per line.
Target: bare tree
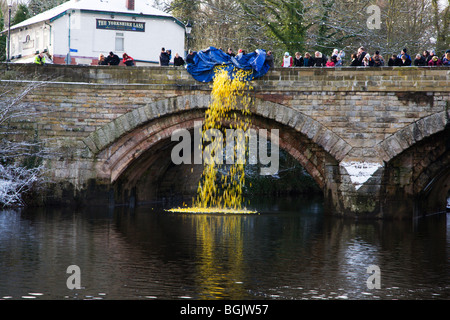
21	156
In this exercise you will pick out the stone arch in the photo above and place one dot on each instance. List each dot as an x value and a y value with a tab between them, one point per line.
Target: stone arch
432	185
152	157
108	134
433	197
114	160
120	143
418	179
411	134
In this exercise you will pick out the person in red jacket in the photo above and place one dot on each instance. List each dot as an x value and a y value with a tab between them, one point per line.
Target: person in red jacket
287	61
330	63
127	60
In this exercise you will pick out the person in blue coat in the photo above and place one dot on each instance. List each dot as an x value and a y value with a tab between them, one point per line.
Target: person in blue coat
408	60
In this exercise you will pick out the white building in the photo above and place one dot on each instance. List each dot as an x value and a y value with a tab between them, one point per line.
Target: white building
78	31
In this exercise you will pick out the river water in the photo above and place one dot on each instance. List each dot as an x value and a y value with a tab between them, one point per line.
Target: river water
289	251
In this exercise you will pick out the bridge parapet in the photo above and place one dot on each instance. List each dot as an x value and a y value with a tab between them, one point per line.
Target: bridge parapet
384	79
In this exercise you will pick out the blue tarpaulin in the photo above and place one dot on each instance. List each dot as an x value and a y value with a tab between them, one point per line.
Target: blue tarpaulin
206	60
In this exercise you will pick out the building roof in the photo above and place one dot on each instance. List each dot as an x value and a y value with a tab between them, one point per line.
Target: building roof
142	7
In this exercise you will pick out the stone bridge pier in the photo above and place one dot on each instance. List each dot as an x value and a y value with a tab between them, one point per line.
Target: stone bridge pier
376	140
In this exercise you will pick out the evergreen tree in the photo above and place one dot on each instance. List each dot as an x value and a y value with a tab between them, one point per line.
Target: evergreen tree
184	10
21	14
38	6
284	21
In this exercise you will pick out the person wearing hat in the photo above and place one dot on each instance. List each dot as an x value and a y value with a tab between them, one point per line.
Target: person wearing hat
287	60
402	55
435	61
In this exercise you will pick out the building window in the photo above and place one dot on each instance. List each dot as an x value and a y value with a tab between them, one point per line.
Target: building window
119	42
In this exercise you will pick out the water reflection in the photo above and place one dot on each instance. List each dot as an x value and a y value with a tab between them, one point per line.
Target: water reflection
220	256
288	251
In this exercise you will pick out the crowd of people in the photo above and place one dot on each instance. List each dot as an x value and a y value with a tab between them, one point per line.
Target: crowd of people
363	59
336	59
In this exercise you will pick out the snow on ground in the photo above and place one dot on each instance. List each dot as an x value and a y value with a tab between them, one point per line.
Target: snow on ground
360	172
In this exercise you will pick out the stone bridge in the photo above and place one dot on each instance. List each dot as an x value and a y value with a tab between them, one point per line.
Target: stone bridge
376	140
